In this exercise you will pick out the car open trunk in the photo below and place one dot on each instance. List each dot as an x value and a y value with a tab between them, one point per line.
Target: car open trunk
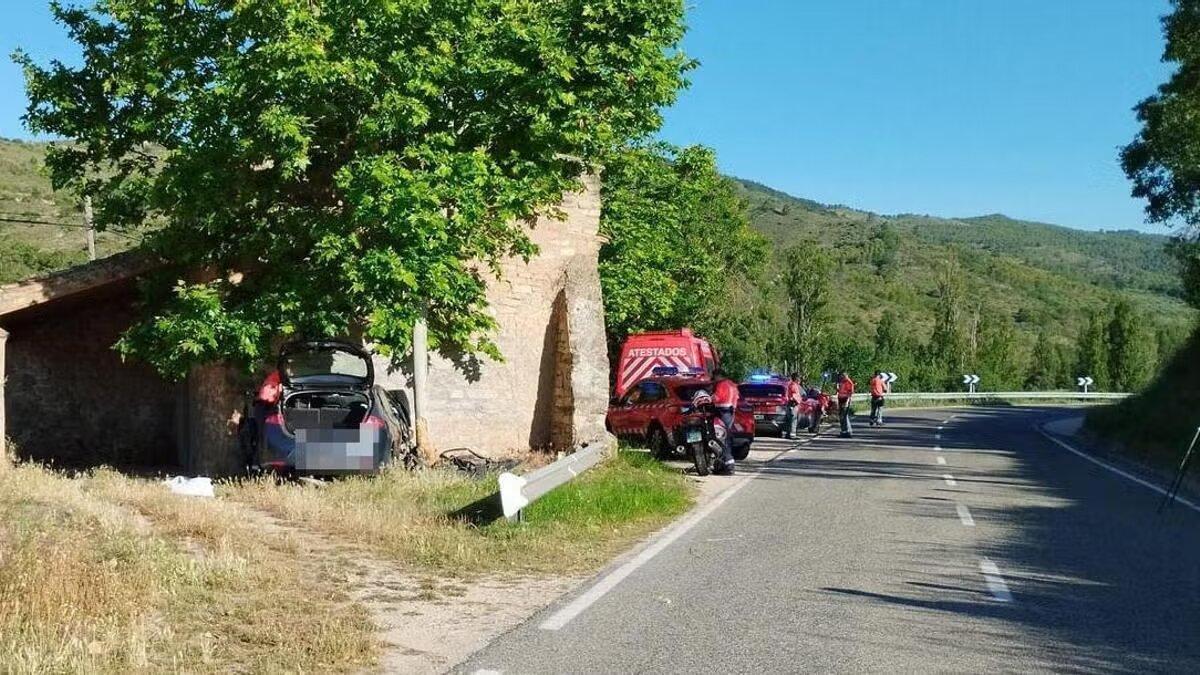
325	409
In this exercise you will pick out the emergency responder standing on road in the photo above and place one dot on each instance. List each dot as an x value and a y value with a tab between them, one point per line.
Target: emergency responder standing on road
878	387
795	395
845	390
725	401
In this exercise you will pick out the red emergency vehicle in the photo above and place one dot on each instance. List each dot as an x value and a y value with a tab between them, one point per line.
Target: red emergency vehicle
653	409
767	396
679	349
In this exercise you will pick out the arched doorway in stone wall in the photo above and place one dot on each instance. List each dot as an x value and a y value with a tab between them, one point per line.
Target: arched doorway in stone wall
554	410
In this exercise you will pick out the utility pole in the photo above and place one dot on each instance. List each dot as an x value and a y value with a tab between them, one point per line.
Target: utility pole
421	389
89	227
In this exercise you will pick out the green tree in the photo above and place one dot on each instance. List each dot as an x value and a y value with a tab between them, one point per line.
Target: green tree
948	346
805	279
359	163
1130	348
1163	161
1091	357
1045	367
998	361
678	236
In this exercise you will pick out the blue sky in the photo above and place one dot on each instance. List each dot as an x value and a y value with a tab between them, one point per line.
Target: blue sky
948	107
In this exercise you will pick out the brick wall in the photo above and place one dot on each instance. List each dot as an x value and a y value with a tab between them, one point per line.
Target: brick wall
552	387
70	399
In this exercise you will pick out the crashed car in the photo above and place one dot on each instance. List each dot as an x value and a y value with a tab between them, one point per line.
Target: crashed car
321	413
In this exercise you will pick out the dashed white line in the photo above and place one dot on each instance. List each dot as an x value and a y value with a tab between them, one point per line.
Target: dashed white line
964	514
942	461
949	480
995	581
937	437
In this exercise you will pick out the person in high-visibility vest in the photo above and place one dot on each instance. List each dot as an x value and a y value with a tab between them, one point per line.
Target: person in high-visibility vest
795	396
878	387
725	401
845	390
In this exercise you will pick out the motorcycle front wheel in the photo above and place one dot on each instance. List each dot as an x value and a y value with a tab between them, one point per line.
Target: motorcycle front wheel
699	458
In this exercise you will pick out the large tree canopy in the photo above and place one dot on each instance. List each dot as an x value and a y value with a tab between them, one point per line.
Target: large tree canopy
358	162
1164	160
678	236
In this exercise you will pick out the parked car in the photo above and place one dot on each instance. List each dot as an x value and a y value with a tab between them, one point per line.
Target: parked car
767	396
681	350
653	410
322	414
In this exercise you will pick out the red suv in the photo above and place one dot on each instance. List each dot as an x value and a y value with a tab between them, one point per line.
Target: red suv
652	410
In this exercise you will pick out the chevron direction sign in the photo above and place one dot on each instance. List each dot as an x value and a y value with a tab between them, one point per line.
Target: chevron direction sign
971	381
889	378
1085	382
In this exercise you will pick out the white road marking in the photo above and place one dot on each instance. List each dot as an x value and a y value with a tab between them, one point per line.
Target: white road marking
940	428
937	448
995	581
964	514
937	437
1182	500
580	604
488	671
949	480
942	461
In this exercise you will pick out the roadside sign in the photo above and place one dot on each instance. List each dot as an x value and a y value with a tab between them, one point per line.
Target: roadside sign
889	377
971	381
1085	382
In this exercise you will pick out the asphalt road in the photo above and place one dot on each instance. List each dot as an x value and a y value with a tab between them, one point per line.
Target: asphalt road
871	555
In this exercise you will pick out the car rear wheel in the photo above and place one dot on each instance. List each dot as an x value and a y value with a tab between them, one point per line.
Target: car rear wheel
660	447
741	452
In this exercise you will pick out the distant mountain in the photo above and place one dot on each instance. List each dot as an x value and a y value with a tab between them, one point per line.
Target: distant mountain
1041	275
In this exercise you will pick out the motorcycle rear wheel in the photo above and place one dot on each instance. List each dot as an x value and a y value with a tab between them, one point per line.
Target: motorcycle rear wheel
699	458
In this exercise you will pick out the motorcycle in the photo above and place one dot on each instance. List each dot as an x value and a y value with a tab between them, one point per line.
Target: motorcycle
703	433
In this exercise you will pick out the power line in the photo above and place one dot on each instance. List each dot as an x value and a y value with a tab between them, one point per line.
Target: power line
29	221
6	218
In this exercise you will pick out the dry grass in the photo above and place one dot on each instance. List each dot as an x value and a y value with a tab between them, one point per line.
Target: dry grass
101	573
411	517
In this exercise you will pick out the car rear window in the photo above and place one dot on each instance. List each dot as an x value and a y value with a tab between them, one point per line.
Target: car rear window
687	391
760	390
326	361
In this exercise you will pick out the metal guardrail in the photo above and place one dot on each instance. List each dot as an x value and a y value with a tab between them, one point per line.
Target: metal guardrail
518	492
998	395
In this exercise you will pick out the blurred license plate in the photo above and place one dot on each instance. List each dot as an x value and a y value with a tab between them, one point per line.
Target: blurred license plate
693	435
758	417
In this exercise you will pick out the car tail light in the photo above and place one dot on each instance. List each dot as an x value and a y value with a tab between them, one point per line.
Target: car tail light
374	422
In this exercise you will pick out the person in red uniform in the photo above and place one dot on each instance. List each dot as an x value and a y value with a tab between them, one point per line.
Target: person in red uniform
878	387
795	396
845	390
725	400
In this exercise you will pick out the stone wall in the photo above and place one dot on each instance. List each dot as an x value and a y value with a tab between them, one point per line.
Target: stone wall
552	388
69	397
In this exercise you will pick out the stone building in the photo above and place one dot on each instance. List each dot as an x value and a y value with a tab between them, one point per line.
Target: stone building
65	396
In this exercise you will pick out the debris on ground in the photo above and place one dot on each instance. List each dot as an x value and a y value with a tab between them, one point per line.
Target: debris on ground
200	486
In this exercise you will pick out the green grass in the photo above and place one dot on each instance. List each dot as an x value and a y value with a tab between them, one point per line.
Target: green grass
418	518
1155	427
